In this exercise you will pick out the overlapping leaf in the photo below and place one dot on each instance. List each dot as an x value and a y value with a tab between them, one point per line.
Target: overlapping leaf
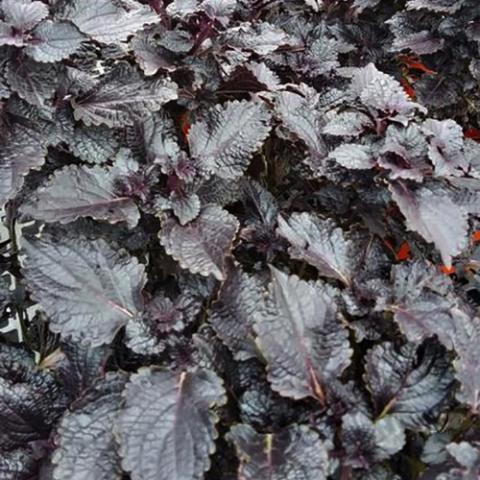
408	384
54	42
232	314
320	243
86	446
301	337
167	428
435	217
106	21
114	105
87	288
75	192
202	245
296	453
224	141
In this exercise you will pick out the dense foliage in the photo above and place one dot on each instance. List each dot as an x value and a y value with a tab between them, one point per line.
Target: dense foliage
240	239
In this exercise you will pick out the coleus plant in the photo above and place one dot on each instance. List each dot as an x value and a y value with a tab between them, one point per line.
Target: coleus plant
240	239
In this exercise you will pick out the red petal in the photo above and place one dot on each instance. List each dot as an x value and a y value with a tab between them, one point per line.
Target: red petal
404	253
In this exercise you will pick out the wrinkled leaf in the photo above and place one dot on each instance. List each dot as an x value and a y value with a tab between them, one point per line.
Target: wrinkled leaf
87	288
202	245
169	415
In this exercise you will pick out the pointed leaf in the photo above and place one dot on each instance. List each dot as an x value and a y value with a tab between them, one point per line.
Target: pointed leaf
466	341
169	416
78	191
423	305
225	140
435	217
446	147
202	245
445	6
381	91
295	453
232	314
114	105
88	290
319	243
86	447
298	114
30	400
301	337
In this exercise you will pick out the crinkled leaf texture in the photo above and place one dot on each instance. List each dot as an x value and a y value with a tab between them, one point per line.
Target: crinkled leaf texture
295	453
382	92
301	337
422	303
202	245
88	289
435	217
354	156
18	154
167	427
409	384
30	399
299	114
54	42
106	22
320	243
78	191
24	14
86	447
367	442
466	338
115	105
240	297
224	141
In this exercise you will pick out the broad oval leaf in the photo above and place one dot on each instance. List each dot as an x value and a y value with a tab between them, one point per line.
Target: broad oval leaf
301	337
320	243
295	453
86	447
224	141
78	191
202	245
88	290
167	428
